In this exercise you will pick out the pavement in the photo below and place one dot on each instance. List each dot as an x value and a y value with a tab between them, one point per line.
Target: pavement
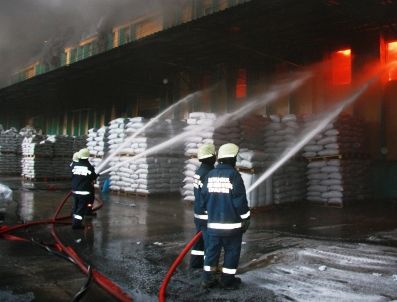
297	252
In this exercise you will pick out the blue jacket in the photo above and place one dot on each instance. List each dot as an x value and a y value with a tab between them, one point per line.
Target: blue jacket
83	176
200	216
224	199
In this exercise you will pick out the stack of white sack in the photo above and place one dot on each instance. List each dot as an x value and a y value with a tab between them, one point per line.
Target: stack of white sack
116	133
157	172
96	141
251	163
289	181
10	152
339	171
29	131
251	159
37	153
37	146
202	125
98	146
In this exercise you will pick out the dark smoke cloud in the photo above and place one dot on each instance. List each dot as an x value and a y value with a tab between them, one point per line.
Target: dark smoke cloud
32	29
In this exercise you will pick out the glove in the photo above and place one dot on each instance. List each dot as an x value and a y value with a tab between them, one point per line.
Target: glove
245	225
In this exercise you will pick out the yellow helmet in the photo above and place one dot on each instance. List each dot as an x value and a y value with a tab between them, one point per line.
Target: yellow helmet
205	151
84	153
76	156
227	150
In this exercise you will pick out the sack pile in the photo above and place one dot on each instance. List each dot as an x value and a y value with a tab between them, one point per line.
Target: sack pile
343	136
116	133
63	147
342	179
37	153
10	152
153	173
202	125
29	131
288	182
252	130
96	141
79	142
10	141
250	164
98	146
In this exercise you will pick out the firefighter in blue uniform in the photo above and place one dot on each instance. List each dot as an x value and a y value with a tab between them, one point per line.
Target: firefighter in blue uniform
224	199
206	155
75	159
83	176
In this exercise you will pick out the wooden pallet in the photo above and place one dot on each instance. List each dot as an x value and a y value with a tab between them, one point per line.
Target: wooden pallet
247	170
124	193
46	179
340	156
126	154
9	152
325	204
38	156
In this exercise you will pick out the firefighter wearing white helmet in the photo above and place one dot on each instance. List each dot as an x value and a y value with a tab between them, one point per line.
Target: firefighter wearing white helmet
83	177
224	199
207	156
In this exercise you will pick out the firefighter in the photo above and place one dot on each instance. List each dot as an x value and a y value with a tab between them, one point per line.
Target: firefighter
75	159
224	199
83	176
206	155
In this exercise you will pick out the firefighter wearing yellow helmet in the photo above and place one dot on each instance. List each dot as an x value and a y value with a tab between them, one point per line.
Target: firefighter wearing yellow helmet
207	156
224	199
83	177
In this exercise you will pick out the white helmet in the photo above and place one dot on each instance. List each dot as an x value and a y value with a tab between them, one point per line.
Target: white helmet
76	157
84	153
228	151
206	151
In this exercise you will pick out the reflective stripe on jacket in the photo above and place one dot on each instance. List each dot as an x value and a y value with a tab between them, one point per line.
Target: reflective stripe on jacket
224	199
200	215
83	175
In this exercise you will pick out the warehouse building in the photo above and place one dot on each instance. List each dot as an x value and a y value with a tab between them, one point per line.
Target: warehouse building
283	64
144	65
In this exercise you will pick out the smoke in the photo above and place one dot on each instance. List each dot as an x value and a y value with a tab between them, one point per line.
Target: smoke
30	30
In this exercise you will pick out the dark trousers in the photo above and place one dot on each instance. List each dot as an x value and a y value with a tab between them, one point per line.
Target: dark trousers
232	248
198	250
90	203
79	208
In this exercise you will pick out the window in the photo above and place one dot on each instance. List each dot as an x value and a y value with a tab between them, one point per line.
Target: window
391	57
341	67
241	83
148	27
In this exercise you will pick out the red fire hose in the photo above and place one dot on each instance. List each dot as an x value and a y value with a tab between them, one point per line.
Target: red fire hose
175	264
101	279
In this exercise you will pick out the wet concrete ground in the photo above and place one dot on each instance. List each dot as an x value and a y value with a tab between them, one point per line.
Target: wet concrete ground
290	253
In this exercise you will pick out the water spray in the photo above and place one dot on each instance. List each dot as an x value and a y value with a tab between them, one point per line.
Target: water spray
275	92
186	99
306	137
